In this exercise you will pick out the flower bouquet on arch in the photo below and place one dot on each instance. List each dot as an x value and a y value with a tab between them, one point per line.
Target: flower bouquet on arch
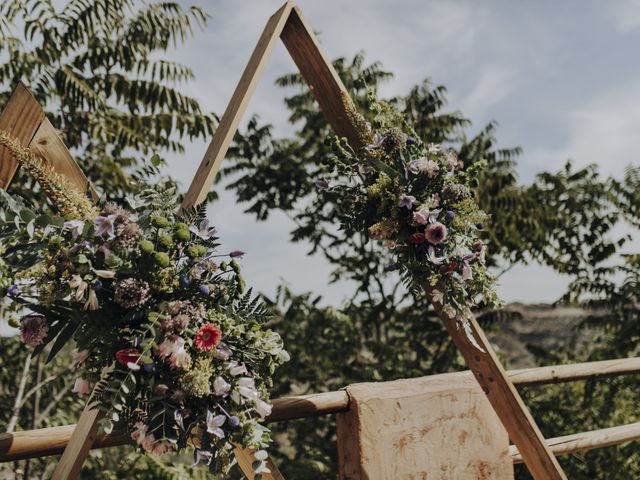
170	341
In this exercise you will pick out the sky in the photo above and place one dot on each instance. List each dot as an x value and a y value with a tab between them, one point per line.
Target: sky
561	79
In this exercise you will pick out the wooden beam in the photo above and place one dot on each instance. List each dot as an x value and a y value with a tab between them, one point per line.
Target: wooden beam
230	121
502	395
21	117
577	371
580	442
318	72
80	443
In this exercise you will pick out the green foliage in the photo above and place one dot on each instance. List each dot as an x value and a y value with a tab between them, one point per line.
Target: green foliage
566	219
99	68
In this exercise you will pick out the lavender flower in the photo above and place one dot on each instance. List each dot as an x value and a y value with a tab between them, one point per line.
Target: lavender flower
237	254
105	225
321	184
407	201
377	141
214	423
13	291
202	230
75	227
201	456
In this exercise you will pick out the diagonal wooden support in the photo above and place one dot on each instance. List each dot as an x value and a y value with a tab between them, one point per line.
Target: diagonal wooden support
330	93
25	119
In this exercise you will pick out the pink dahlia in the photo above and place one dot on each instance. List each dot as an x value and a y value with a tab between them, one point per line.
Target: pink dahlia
436	233
207	337
34	329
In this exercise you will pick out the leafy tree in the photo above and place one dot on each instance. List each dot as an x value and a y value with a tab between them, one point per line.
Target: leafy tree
565	220
100	69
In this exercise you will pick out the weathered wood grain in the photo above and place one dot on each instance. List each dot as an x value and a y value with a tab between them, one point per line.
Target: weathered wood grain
318	72
22	117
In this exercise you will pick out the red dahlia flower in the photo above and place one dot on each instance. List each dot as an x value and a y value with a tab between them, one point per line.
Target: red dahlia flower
207	337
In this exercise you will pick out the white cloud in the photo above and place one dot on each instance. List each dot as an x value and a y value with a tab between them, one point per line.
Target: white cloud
494	84
626	14
603	130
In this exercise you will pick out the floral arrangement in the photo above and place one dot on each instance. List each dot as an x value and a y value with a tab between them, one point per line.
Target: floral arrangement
174	349
417	200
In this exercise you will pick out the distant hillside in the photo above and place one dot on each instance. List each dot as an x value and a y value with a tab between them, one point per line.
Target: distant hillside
543	326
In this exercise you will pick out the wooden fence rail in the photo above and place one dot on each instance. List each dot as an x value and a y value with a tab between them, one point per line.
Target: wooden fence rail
52	441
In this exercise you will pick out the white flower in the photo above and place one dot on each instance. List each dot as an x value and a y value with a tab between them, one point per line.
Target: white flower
433	148
220	386
214	423
247	388
105	273
437	296
263	408
236	368
79	285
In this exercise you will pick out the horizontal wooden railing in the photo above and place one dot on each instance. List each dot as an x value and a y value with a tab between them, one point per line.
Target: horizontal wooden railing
52	440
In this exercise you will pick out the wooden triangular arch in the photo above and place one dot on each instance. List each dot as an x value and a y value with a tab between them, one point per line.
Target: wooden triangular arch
25	119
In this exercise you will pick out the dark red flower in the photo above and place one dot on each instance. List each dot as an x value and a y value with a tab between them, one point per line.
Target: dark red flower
207	337
127	355
417	238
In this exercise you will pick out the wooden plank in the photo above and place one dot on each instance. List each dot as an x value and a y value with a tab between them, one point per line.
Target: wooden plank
245	459
79	445
48	144
389	434
21	117
230	121
580	442
502	395
318	72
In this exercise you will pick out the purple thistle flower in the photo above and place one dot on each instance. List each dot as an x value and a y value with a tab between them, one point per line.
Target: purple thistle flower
449	215
34	329
105	225
436	233
237	254
411	141
407	201
184	281
202	230
321	184
13	291
204	289
149	367
480	226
